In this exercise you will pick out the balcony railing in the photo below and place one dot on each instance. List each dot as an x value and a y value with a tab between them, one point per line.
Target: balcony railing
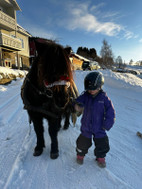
10	42
7	21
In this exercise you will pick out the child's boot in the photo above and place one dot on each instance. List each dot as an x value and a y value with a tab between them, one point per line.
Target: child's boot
101	162
80	159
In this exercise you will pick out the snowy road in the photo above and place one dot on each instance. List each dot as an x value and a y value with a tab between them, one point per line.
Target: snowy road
19	169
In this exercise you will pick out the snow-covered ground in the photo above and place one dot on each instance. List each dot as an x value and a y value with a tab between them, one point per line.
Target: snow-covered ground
19	169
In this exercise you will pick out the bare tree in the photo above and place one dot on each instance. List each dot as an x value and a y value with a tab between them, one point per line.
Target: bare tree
119	61
106	54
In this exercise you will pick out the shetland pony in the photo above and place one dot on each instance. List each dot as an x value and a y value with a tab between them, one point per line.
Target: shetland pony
48	91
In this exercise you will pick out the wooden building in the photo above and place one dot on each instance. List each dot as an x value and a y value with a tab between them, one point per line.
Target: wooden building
77	61
14	40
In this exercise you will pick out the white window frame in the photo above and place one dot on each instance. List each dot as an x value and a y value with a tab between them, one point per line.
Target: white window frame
16	61
21	62
1	9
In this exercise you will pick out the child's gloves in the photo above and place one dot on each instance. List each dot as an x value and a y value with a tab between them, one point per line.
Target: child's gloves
78	109
73	118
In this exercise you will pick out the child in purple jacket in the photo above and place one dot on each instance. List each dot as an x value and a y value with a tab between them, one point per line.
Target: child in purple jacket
98	116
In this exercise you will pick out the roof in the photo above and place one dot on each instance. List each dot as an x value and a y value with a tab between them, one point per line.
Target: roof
80	57
23	31
15	4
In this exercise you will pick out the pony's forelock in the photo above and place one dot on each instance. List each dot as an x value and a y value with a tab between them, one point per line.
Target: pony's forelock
54	63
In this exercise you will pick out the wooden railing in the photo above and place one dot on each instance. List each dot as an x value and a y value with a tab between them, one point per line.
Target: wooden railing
11	42
7	21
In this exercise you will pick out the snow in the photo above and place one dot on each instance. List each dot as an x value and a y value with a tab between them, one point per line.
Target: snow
4	71
19	169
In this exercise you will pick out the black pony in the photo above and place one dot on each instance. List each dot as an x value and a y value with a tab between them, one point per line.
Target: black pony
48	91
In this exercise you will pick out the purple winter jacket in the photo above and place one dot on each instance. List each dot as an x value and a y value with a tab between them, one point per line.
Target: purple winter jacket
98	115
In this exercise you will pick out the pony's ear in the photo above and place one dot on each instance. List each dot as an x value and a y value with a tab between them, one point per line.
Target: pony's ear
39	48
40	45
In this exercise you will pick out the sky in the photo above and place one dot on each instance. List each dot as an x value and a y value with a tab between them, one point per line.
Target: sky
80	23
19	169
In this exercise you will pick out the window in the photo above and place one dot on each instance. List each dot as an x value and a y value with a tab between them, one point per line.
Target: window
1	9
16	62
21	62
7	63
22	41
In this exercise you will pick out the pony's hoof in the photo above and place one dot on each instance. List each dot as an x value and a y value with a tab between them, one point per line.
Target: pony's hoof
37	152
54	155
66	127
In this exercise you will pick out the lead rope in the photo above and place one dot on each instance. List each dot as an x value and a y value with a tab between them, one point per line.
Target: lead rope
30	126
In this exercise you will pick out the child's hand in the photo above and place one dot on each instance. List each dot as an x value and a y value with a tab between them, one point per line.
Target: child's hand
78	108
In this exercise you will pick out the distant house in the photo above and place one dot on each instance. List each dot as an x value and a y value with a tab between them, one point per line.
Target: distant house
14	40
77	60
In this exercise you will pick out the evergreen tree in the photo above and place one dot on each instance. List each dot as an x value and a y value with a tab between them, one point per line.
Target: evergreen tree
131	62
93	53
87	53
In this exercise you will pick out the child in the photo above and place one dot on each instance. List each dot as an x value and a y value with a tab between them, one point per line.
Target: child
98	116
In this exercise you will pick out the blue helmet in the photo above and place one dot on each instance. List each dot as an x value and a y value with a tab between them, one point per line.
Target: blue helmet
93	81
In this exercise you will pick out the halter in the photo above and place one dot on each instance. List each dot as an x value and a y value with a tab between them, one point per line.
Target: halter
62	81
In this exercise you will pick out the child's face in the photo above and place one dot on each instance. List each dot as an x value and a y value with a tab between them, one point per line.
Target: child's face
93	92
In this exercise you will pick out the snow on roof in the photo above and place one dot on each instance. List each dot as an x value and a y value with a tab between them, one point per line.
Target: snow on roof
15	4
81	57
21	29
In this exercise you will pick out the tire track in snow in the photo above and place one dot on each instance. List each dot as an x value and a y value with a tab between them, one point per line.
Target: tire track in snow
16	168
17	112
112	176
15	106
8	102
11	94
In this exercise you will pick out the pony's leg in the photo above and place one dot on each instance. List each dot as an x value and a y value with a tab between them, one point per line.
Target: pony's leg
54	126
39	130
67	122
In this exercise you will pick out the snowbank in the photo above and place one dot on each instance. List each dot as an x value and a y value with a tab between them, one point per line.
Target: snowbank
8	74
122	79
